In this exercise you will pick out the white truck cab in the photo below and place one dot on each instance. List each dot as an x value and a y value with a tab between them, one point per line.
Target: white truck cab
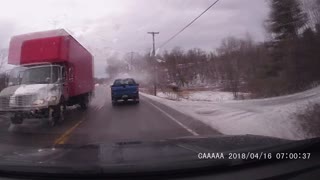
34	91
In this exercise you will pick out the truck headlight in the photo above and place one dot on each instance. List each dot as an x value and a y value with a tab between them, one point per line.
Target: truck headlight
52	98
39	102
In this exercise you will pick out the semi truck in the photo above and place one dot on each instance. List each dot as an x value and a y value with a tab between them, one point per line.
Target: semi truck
52	71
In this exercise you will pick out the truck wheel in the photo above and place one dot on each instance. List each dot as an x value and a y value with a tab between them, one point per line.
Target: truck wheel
61	111
52	121
57	114
84	103
16	120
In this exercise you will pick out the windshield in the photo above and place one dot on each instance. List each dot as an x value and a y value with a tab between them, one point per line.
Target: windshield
129	72
34	75
40	75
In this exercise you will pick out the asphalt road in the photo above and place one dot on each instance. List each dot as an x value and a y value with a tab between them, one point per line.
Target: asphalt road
102	123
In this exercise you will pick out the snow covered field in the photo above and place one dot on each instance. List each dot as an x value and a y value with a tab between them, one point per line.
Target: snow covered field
270	117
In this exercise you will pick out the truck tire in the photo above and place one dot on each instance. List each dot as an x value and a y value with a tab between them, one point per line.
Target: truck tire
61	110
84	103
52	121
16	120
57	113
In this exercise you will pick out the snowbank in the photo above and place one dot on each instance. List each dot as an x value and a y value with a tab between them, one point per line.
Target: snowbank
209	96
212	96
269	117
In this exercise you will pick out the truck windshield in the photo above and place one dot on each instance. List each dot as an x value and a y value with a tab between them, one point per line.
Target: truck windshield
34	75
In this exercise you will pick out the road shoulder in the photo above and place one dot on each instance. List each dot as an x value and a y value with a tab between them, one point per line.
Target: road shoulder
190	123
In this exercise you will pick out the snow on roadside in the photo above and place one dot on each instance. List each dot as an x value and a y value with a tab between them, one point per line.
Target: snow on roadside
168	95
215	96
209	96
268	117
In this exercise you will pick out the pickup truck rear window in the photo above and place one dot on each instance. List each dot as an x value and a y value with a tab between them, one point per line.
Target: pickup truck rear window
124	82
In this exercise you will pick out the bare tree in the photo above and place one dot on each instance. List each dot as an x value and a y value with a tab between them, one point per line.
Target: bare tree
3	58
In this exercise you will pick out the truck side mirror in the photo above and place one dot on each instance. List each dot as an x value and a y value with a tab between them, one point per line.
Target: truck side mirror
60	80
48	79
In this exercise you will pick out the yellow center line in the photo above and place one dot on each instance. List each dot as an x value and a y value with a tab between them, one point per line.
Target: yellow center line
64	137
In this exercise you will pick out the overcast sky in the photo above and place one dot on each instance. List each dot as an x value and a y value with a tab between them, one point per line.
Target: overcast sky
106	26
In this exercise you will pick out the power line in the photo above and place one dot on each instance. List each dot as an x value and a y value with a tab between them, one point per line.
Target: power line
175	35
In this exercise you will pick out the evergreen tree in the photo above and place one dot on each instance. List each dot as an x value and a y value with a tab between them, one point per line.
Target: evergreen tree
286	19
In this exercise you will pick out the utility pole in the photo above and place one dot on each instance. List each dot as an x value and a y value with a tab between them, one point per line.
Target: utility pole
154	61
131	57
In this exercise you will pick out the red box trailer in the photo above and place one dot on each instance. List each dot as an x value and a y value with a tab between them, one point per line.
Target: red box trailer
54	61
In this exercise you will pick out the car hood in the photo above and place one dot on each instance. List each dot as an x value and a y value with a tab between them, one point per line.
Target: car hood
138	156
25	89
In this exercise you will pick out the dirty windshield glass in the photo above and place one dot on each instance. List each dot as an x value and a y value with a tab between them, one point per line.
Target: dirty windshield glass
87	85
40	75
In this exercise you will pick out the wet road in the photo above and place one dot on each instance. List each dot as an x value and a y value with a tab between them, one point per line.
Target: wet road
102	123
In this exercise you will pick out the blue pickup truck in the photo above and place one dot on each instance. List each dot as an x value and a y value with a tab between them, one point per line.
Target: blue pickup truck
125	90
